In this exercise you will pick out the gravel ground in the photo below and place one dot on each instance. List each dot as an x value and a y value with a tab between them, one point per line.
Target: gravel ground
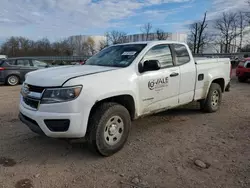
161	150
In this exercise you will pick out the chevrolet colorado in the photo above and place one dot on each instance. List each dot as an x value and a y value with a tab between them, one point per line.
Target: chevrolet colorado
98	100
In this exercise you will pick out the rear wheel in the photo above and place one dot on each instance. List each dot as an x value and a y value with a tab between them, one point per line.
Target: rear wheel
242	79
108	128
13	80
213	100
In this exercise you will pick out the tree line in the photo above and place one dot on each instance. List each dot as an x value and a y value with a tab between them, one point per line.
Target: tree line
76	45
21	46
227	31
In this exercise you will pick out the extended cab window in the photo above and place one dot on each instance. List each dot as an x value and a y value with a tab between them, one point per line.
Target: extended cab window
182	55
162	53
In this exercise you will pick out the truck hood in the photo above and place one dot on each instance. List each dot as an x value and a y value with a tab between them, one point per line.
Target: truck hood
57	76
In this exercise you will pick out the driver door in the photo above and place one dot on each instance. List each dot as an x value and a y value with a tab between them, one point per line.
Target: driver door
159	89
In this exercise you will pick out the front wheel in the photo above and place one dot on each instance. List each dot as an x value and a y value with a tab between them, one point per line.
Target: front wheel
213	100
108	128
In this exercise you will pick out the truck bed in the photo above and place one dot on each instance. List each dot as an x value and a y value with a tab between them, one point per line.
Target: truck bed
209	67
204	60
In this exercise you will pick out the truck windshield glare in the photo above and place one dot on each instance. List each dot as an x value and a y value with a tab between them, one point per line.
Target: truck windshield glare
116	56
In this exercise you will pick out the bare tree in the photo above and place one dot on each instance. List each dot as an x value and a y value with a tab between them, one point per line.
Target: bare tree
62	48
201	33
146	29
161	35
198	36
89	47
242	24
43	46
13	45
102	44
76	43
116	37
227	27
192	38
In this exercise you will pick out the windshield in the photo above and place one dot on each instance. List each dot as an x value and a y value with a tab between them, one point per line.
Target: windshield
116	56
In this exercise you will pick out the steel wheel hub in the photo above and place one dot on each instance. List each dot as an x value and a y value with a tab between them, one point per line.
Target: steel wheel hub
215	98
12	80
113	130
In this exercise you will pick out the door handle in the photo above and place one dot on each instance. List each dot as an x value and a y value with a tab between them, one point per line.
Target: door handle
174	74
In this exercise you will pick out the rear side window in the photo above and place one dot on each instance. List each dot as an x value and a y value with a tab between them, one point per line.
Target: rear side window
182	55
23	62
10	62
162	53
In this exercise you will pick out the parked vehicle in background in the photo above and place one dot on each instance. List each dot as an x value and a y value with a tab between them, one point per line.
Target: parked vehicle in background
3	57
121	83
13	70
82	62
243	70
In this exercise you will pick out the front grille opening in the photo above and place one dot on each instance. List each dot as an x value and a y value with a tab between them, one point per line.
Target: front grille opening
30	120
36	89
55	125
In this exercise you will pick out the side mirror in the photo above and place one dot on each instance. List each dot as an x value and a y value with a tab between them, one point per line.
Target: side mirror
150	65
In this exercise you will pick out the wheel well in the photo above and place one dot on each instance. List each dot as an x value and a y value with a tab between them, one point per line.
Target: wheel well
221	82
125	100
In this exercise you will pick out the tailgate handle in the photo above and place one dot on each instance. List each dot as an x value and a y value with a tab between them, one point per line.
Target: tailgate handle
174	74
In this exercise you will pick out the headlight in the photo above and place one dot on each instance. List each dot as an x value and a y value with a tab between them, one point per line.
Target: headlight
55	95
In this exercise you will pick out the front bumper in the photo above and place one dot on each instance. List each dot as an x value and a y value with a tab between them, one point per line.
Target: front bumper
31	124
35	120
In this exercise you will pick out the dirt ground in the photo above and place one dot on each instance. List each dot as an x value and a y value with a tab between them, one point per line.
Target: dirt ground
160	152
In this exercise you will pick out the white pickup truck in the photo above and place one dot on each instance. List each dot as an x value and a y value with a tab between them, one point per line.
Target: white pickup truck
121	83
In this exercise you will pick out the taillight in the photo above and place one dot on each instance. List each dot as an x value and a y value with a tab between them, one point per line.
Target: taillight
2	68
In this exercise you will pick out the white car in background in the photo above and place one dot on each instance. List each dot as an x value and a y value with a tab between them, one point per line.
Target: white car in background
3	57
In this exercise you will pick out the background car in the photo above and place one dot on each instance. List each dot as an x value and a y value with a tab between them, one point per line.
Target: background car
243	70
13	70
3	57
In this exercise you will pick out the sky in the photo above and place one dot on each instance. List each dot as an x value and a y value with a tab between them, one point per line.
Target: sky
57	19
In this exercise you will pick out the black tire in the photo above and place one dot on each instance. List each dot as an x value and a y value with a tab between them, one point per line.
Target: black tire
209	104
98	127
242	79
12	80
